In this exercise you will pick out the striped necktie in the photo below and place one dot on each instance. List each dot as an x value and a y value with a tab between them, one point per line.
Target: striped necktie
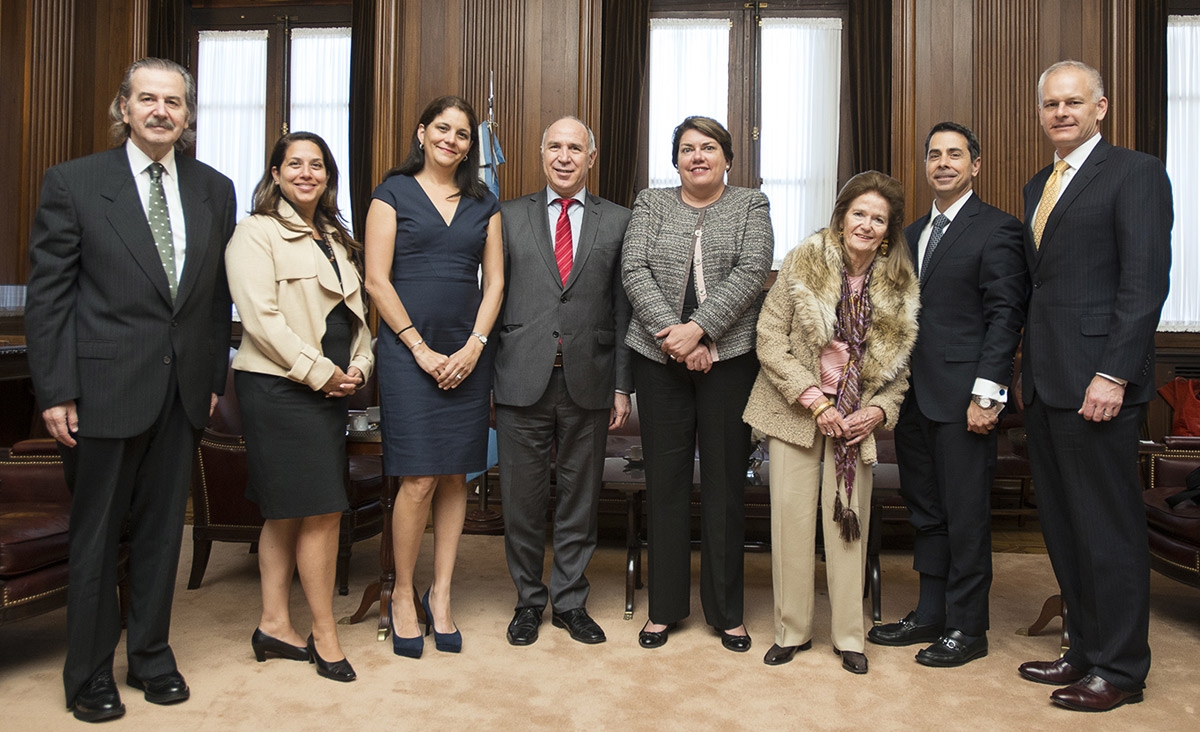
562	238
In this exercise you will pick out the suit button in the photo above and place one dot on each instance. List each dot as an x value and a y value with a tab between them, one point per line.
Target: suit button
1037	285
174	323
167	360
564	298
555	334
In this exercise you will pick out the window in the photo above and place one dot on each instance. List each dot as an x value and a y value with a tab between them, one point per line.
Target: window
782	107
261	74
1182	309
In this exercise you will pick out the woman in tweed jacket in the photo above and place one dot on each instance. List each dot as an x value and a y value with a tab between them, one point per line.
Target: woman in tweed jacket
834	338
694	263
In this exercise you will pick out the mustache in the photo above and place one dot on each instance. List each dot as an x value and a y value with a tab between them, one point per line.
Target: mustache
156	122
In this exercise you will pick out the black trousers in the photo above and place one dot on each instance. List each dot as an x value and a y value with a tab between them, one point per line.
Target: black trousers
1092	515
143	481
679	409
946	474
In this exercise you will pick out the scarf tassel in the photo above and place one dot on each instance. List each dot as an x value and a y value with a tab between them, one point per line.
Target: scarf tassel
846	520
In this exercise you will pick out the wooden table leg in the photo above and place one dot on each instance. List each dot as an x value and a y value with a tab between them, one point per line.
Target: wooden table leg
381	591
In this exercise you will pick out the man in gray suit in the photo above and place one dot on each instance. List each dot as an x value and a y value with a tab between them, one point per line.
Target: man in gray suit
127	322
563	378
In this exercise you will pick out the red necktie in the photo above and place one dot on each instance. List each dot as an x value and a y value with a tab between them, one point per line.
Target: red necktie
562	238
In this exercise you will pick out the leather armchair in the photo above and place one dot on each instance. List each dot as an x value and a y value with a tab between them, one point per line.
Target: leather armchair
35	507
1174	530
223	513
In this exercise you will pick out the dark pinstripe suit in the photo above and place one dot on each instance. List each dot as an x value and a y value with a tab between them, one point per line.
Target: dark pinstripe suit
1098	284
102	331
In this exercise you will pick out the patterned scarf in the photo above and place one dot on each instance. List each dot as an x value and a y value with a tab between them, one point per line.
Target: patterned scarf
853	319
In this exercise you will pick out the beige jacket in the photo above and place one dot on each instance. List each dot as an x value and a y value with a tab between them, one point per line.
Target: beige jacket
284	290
796	324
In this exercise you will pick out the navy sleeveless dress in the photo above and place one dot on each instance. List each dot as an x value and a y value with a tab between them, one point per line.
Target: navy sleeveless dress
435	270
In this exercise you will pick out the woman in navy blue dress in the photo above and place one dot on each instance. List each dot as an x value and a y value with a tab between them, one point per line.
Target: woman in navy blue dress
431	225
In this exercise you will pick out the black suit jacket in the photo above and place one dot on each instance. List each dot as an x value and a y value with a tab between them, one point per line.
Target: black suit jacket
972	308
590	313
1099	278
100	324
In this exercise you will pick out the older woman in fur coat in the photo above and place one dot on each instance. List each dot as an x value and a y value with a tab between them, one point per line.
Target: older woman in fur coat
834	337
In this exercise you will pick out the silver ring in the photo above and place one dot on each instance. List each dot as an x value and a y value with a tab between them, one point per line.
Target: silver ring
1106	414
458	376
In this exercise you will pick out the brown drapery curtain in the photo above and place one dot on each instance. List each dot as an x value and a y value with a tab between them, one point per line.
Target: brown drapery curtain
362	79
869	42
626	48
164	34
1151	65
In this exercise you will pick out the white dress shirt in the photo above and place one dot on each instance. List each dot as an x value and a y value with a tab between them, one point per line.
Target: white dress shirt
575	214
139	163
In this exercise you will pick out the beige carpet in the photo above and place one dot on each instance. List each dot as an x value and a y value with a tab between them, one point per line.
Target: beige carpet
557	684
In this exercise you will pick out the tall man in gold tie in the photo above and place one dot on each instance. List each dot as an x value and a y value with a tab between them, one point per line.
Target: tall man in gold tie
1097	240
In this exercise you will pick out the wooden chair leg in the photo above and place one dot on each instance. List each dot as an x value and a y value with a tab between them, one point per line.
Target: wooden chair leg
1053	607
201	548
343	569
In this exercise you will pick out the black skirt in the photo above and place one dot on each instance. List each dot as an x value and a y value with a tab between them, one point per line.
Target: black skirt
295	437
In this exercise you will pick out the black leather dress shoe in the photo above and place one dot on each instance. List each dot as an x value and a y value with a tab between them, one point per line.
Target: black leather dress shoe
778	655
98	700
264	645
335	670
906	632
1093	694
579	624
652	639
1055	673
169	688
953	649
735	643
523	629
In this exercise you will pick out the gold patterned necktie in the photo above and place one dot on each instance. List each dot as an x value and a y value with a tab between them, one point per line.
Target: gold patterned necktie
160	225
1049	198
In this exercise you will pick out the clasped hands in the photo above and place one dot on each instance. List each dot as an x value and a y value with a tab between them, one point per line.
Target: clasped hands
854	427
681	343
452	370
343	383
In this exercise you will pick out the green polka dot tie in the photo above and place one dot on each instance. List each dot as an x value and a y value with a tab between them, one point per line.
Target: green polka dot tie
160	225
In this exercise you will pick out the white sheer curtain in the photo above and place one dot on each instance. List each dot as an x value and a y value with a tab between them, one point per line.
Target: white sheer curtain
1182	309
320	95
231	79
801	78
689	75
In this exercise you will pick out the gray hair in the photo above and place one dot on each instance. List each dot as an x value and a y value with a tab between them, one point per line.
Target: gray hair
119	130
1093	75
591	137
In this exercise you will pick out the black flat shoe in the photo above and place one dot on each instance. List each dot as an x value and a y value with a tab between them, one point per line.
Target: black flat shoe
855	663
652	639
778	655
336	670
98	700
953	649
169	688
735	643
523	629
905	632
265	645
579	624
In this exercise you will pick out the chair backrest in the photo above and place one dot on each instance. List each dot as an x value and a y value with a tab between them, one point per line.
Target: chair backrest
227	417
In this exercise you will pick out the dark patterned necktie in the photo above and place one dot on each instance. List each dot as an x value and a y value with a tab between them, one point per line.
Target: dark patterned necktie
160	225
939	227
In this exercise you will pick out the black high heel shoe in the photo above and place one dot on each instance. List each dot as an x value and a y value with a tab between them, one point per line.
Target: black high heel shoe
444	642
336	670
407	647
264	644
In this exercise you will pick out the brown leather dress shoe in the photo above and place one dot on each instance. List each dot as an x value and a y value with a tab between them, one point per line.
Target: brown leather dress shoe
1056	673
855	663
1093	694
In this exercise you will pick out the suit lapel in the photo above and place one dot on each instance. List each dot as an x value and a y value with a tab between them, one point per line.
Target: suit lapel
587	236
539	225
198	222
914	241
1079	181
960	224
128	219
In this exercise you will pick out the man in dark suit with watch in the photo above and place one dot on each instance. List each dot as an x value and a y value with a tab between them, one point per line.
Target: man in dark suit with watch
1098	244
127	324
563	378
973	277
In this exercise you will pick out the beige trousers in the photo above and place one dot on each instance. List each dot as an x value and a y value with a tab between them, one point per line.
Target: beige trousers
797	481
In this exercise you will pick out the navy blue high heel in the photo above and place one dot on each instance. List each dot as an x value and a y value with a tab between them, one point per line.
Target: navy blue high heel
408	647
444	642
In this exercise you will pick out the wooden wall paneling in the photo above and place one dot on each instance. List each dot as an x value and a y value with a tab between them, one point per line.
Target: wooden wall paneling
1120	73
110	35
904	96
388	133
494	36
590	45
47	115
14	98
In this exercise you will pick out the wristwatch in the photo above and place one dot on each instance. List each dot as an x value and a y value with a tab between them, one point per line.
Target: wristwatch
985	402
482	338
